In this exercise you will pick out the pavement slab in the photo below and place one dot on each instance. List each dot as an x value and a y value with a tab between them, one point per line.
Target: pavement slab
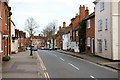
21	65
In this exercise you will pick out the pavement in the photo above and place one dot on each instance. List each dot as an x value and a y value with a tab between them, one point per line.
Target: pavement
22	65
95	59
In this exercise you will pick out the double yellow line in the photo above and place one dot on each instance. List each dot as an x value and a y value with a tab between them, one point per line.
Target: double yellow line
46	75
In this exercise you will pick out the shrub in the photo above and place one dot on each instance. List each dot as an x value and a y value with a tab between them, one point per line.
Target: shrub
6	58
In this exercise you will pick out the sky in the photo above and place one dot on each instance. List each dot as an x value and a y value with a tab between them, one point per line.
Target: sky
46	11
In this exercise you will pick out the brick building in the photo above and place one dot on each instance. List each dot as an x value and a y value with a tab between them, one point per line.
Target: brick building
38	41
0	33
59	35
21	39
83	12
6	27
90	33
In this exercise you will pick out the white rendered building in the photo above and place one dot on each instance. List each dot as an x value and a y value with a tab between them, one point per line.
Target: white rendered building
106	28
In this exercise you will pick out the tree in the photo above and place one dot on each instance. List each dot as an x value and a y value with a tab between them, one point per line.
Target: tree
31	26
49	30
82	35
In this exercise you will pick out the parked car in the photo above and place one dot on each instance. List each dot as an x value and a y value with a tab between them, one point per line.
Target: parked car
55	48
44	48
34	49
27	48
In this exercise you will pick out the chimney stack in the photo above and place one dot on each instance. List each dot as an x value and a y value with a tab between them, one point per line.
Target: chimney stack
82	12
76	15
64	24
38	34
86	12
59	28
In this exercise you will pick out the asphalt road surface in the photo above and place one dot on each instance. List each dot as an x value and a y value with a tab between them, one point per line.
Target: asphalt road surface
59	65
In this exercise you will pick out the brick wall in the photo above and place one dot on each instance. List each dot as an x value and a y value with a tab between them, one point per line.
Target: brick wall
90	32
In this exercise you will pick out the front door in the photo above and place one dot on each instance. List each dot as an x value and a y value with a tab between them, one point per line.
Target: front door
93	45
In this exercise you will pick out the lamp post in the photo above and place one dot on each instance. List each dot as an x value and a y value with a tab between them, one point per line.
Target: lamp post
31	42
53	33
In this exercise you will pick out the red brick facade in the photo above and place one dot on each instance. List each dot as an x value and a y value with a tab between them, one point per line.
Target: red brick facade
38	41
59	35
6	28
90	33
83	12
21	39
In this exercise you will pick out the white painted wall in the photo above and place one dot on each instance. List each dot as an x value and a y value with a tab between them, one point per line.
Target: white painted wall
119	30
66	41
111	35
104	34
75	46
115	29
14	45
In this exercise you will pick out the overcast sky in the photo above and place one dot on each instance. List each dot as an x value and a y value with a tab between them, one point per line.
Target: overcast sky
46	11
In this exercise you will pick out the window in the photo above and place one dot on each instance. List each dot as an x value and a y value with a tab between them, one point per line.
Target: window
101	6
99	45
106	24
105	44
100	25
88	41
88	23
76	33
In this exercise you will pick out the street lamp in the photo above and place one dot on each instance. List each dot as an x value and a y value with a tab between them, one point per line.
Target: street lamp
53	33
31	42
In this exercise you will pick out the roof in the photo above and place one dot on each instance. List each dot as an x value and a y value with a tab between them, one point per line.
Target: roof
76	28
38	37
89	16
67	30
96	1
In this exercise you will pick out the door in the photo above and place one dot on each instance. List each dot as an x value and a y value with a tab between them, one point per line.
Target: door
93	45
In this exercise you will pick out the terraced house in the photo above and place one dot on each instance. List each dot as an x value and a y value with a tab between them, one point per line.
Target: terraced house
107	17
6	27
0	32
90	33
74	31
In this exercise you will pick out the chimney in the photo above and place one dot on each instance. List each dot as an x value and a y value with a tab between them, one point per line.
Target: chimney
38	34
76	15
59	28
82	12
64	24
86	12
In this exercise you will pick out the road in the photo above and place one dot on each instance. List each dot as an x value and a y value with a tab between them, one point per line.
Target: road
59	65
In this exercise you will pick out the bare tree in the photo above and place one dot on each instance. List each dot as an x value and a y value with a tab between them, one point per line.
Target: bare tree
49	30
31	26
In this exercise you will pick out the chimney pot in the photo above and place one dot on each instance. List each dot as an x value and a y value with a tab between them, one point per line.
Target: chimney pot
64	24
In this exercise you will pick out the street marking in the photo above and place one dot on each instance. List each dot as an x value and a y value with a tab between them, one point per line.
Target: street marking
74	66
104	67
55	55
46	75
62	59
93	77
